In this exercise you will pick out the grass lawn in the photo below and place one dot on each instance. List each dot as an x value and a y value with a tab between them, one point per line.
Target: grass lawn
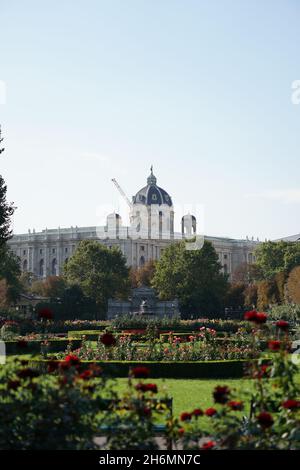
195	393
190	393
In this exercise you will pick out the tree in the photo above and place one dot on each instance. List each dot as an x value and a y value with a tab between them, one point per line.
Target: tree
10	272
100	272
293	286
235	296
267	294
6	209
143	276
274	257
250	294
54	287
9	263
194	277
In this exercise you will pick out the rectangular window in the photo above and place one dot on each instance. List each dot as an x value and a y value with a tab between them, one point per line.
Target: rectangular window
41	251
53	250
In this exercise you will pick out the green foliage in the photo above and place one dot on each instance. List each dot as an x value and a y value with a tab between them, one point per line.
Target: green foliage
235	296
72	305
100	272
10	272
289	312
46	411
193	277
6	211
274	257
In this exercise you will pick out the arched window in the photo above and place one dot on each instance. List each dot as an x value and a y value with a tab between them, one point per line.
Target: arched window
142	261
25	265
41	268
54	267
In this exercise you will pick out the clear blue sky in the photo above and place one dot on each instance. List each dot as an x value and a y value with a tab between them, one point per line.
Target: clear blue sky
200	89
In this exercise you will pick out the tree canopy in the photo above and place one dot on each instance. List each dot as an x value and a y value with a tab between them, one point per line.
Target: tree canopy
194	277
275	257
100	272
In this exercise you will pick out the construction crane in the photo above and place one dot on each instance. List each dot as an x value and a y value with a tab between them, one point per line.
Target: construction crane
121	192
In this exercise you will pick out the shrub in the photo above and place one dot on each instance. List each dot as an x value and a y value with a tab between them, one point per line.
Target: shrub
46	411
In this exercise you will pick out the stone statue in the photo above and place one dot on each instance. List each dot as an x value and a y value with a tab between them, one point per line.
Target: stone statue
143	307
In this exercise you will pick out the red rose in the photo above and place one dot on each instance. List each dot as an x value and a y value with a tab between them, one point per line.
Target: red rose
108	339
251	315
236	405
256	317
261	318
274	345
27	373
291	404
146	387
185	416
210	412
282	325
208	445
140	372
72	360
197	412
265	419
45	313
180	431
220	394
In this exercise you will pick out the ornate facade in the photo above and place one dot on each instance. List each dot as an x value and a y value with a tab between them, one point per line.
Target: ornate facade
150	231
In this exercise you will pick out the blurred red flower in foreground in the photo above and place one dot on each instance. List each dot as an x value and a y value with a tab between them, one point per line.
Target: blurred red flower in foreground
210	412
274	345
197	412
108	339
72	360
146	387
208	445
265	419
256	317
282	324
185	416
236	405
291	404
220	394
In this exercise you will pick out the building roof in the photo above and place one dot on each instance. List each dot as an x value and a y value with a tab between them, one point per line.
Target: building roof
152	194
292	238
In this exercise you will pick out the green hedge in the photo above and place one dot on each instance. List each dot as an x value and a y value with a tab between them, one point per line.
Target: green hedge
174	370
34	346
